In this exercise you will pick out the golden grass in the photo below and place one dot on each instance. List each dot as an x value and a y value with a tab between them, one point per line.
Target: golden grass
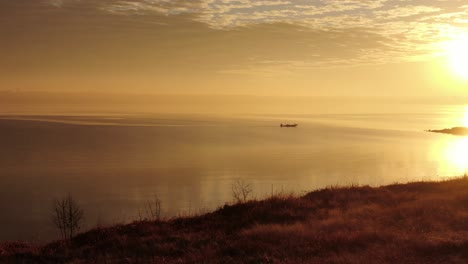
421	222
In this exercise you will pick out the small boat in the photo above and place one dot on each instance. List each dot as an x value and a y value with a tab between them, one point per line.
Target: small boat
288	125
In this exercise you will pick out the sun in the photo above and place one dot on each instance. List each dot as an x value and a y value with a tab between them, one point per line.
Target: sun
457	55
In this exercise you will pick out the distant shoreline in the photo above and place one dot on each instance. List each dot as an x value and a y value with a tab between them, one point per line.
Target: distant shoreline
456	131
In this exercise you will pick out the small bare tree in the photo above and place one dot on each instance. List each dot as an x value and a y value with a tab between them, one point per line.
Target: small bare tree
67	216
241	191
152	210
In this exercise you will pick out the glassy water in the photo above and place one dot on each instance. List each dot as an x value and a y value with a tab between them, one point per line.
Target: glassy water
114	165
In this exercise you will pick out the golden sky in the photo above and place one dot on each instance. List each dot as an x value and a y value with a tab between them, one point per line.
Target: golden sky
271	47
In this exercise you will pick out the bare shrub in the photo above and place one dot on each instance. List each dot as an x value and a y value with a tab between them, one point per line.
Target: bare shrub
151	210
241	190
67	216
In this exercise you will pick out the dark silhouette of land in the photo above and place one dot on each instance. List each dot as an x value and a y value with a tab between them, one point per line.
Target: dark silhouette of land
420	222
456	131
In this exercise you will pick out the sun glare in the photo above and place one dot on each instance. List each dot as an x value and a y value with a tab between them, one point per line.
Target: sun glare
456	154
457	54
465	117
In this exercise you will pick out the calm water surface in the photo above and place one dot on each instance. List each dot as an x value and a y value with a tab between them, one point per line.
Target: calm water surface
113	165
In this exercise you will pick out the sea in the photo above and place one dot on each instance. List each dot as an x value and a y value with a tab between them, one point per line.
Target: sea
113	165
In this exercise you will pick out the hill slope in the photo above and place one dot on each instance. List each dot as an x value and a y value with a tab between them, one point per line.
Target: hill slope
422	222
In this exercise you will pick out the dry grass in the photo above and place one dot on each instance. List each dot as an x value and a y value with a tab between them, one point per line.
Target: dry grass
421	222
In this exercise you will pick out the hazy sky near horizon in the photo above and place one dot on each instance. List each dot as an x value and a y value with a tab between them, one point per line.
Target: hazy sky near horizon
265	47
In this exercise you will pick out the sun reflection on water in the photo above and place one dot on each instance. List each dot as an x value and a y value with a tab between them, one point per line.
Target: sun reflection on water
451	152
456	155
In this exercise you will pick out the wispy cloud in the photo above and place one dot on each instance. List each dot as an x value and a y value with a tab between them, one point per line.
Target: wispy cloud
60	3
404	11
327	32
56	3
166	7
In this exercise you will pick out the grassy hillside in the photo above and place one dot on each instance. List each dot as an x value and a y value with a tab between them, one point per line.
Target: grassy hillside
422	222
